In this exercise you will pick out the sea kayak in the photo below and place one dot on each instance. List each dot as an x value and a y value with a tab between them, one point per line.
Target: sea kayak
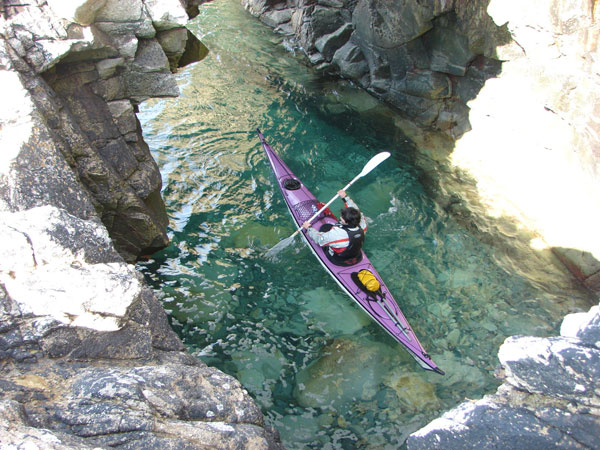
380	306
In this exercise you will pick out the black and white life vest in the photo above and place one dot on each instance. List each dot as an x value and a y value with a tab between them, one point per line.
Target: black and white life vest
356	238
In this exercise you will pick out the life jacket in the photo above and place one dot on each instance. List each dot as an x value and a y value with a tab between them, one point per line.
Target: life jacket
357	237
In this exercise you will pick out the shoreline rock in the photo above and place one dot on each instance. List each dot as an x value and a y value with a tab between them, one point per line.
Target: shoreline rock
87	356
549	398
423	58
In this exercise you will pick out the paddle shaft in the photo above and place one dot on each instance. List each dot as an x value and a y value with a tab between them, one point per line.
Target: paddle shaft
328	203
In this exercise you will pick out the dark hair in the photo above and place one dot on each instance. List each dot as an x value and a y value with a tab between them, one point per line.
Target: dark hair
351	216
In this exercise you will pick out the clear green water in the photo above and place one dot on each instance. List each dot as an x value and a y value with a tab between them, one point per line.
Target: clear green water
325	376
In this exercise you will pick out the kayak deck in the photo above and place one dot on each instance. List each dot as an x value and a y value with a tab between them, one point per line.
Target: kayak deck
302	205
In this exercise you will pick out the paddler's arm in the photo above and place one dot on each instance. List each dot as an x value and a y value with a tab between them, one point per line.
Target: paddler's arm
349	203
318	237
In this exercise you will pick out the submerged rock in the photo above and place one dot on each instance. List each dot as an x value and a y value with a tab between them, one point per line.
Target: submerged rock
345	371
414	393
324	309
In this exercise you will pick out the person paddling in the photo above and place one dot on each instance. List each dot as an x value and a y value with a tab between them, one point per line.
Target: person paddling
342	241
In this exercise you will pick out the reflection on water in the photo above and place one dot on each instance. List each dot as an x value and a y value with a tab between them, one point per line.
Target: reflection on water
325	376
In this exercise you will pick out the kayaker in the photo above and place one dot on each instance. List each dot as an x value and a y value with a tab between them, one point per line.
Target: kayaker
342	241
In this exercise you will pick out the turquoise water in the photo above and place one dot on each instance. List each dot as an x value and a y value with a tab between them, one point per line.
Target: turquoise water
325	376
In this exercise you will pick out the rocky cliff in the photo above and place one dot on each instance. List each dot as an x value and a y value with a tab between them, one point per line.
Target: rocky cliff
84	84
87	357
426	58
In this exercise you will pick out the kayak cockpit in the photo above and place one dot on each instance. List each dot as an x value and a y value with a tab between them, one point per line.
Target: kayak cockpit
291	184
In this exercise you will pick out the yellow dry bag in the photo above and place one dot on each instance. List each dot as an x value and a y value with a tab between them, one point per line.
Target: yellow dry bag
368	280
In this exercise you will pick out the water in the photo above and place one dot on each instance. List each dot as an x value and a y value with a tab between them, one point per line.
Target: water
325	376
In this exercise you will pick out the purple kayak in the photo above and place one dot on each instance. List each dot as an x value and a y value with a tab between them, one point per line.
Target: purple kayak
380	306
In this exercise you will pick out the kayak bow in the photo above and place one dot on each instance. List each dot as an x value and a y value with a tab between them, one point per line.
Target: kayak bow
382	307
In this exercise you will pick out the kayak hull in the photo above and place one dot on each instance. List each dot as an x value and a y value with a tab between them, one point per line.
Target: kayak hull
384	310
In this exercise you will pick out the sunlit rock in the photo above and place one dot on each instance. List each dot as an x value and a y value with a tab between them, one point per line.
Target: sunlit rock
166	14
121	18
45	267
150	57
483	424
173	43
16	429
82	12
584	326
548	397
553	367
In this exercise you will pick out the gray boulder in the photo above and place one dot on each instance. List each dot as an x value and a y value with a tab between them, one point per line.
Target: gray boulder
549	398
329	44
351	62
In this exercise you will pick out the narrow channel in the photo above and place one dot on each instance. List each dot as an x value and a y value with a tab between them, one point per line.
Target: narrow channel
323	373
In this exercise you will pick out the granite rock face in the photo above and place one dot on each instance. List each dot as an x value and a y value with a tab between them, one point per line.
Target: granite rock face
76	73
87	356
424	58
549	398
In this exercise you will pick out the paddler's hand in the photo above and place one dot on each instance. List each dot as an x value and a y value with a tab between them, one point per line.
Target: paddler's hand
306	225
342	194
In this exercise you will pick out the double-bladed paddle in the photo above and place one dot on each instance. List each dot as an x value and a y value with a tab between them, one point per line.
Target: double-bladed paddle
373	162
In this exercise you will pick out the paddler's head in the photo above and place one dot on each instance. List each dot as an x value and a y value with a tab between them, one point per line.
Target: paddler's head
350	216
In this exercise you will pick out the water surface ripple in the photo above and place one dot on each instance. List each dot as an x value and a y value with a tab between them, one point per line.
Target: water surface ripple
325	376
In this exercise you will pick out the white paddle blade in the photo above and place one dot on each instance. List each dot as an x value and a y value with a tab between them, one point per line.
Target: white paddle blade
374	162
273	252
